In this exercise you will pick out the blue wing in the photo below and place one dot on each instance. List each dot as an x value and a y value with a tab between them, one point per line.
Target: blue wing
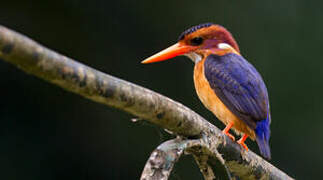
239	86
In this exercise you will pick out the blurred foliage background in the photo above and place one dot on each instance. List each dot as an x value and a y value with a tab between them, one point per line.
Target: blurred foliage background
48	133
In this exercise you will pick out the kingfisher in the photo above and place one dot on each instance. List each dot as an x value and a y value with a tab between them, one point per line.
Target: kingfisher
226	83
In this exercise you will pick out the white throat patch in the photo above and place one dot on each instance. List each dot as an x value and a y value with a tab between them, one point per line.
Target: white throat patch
194	57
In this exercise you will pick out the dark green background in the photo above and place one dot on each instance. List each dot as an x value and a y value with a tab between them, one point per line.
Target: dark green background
48	133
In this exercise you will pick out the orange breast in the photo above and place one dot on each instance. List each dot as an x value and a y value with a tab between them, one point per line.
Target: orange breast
214	104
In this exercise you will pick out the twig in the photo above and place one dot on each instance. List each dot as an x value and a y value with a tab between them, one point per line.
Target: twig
162	160
35	59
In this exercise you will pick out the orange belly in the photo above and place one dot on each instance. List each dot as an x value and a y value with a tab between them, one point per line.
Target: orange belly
214	104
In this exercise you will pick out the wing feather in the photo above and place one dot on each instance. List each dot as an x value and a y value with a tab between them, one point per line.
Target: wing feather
239	86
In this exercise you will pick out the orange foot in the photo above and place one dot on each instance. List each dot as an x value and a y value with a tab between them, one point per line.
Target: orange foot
242	140
226	131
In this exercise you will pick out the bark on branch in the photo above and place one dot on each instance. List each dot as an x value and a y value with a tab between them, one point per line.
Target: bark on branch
44	63
162	160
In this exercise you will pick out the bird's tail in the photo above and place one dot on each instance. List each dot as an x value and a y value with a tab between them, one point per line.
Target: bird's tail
262	137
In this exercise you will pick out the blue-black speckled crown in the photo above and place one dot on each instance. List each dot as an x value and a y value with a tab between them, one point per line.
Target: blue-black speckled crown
193	29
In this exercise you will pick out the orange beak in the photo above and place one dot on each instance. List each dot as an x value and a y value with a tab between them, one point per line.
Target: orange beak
173	51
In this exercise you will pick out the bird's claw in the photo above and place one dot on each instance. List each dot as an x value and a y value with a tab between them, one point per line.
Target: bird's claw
229	135
243	144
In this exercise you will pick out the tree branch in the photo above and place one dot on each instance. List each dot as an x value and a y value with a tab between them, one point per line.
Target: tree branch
35	59
162	160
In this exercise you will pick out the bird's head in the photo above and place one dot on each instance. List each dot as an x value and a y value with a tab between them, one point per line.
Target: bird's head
197	42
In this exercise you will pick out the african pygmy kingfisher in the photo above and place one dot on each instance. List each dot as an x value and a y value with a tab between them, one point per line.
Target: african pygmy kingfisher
226	83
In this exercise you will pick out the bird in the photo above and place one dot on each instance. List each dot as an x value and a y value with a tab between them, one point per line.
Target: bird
226	83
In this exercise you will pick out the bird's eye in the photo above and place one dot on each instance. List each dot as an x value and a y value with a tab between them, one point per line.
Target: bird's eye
197	41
